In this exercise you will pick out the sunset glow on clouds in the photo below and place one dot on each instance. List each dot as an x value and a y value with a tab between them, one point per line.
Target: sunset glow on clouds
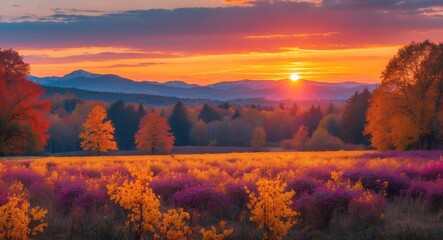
209	41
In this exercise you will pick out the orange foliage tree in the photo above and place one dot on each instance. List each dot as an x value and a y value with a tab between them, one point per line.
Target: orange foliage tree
271	208
301	137
22	122
98	134
258	137
17	220
154	134
406	107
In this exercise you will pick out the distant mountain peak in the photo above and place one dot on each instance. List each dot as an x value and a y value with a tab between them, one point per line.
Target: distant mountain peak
179	84
80	73
246	88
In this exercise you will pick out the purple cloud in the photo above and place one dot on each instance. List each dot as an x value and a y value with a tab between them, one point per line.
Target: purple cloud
225	29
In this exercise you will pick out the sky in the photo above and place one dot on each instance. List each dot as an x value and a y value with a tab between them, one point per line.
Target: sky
217	40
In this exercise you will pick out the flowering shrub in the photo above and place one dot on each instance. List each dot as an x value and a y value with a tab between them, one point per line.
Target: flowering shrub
303	185
430	192
203	197
75	192
139	200
367	208
167	185
432	171
173	225
380	181
17	216
319	208
211	233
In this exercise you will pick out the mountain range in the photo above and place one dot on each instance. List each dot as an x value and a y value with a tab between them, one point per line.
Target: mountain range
242	89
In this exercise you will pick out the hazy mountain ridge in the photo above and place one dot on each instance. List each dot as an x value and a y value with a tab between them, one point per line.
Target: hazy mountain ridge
270	89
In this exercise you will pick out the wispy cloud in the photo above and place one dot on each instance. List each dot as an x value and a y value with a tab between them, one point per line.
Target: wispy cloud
256	27
300	35
142	64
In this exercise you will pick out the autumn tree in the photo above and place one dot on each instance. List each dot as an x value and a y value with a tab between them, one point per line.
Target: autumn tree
197	135
311	118
217	133
258	137
180	124
331	124
236	114
301	137
271	209
405	109
98	134
239	132
322	140
154	134
277	124
208	114
354	118
22	114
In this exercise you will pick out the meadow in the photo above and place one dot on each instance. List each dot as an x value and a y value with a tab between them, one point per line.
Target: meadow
280	195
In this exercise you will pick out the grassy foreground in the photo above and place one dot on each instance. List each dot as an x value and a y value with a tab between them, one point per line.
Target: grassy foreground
338	195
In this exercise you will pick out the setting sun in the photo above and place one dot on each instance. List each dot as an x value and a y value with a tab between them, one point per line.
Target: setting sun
294	77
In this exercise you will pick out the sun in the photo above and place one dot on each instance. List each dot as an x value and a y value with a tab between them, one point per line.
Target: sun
294	77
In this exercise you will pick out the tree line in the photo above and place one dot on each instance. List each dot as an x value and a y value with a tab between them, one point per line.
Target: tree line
404	112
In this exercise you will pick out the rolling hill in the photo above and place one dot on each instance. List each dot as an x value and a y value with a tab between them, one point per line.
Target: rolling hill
242	89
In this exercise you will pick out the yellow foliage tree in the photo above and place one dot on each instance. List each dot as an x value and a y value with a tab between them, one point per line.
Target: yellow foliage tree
211	233
154	134
271	208
16	216
98	134
258	137
139	200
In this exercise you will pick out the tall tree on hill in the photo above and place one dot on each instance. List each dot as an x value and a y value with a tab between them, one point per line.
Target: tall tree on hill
180	124
154	134
208	114
354	118
125	119
140	112
22	113
294	110
312	118
405	110
225	105
98	134
258	138
332	109
236	114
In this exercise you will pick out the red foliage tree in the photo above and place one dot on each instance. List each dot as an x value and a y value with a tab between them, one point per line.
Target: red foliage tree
22	122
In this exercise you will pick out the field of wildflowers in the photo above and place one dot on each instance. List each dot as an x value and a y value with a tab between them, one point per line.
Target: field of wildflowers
285	195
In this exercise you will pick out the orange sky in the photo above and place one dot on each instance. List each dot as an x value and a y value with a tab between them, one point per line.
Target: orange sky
209	41
356	64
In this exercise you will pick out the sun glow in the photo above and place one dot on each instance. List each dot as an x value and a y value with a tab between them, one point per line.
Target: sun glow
294	77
